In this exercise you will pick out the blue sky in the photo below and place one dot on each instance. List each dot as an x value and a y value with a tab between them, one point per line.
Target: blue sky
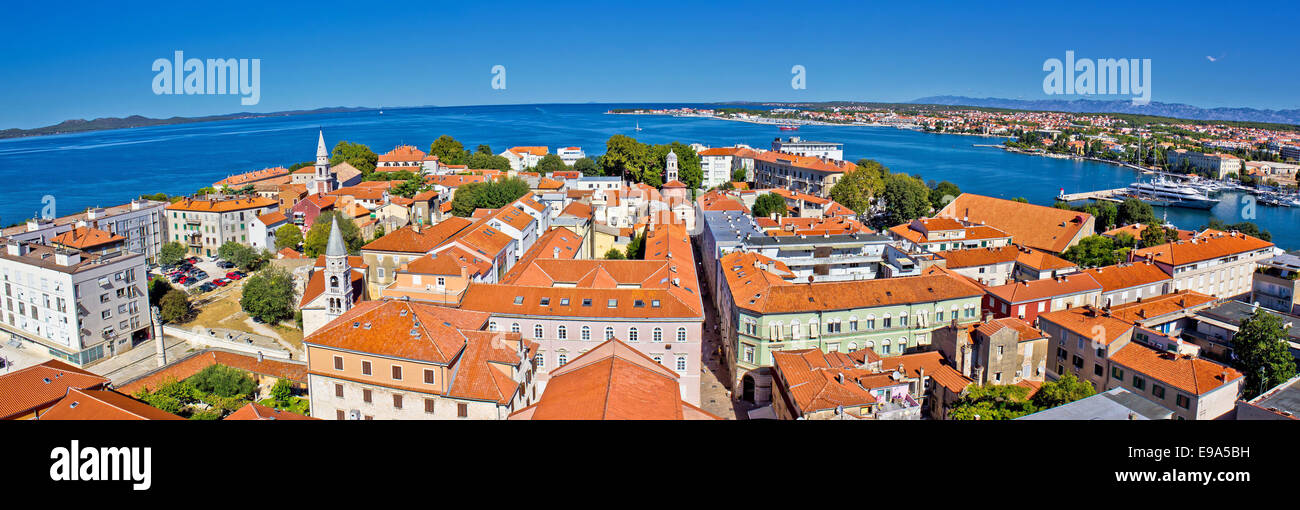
93	60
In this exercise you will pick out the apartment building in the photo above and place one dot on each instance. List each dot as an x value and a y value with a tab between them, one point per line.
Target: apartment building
141	222
808	174
385	256
1027	300
203	225
1221	264
399	360
1130	282
765	312
941	234
719	164
1219	165
809	384
570	155
80	308
995	351
522	158
1273	285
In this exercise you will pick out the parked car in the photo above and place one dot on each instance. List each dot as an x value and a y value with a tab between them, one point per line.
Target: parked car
225	264
207	287
221	282
234	275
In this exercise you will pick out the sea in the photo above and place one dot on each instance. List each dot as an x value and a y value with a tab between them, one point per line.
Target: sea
105	168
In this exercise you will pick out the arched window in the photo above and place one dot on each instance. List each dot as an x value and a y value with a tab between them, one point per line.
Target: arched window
794	330
658	335
884	346
681	334
631	335
514	328
492	326
334	282
563	332
853	346
586	333
609	333
537	331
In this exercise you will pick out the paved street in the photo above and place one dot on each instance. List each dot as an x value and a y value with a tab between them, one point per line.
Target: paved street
140	360
715	397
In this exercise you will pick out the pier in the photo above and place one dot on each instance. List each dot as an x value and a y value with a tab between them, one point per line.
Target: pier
1105	194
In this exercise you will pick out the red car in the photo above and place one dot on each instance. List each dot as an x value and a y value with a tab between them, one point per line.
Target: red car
233	275
183	279
220	282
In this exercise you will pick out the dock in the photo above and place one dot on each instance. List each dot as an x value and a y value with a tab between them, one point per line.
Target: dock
1105	194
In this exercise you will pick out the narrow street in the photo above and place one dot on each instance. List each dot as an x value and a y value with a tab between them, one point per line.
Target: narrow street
715	397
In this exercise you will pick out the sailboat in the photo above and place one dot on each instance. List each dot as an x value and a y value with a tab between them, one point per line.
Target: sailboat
638	125
381	110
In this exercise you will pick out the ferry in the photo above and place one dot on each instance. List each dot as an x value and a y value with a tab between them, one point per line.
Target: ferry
1166	193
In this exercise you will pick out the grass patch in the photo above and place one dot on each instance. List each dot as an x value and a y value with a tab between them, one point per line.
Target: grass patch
297	405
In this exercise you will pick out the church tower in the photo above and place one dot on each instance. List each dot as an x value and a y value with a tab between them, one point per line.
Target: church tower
338	275
670	172
323	182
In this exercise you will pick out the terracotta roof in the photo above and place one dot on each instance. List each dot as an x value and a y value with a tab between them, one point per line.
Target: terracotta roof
577	209
255	411
103	405
83	238
612	381
1042	260
534	150
27	389
402	153
289	253
226	205
809	162
1161	305
980	256
316	285
476	377
251	177
1088	322
1036	226
384	327
1190	374
272	218
195	363
1047	288
1205	247
819	381
1022	328
1127	276
934	366
408	240
825	296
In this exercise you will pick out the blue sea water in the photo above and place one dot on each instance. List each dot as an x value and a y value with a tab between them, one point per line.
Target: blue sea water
110	167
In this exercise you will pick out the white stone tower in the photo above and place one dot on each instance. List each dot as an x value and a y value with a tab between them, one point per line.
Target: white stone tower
338	275
323	181
670	171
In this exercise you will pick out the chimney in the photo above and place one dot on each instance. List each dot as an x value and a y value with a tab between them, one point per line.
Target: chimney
16	248
556	252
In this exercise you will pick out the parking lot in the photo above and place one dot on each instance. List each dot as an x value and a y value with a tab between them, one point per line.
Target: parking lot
203	273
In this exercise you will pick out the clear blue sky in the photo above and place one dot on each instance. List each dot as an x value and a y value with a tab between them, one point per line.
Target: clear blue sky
93	60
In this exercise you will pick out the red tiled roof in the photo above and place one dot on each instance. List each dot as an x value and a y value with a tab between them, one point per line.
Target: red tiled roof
255	411
184	368
384	327
28	389
103	405
1036	226
1127	276
82	238
1194	375
408	240
1201	248
1047	288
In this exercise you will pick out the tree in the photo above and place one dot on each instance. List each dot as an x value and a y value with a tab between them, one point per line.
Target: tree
303	164
245	257
992	402
1135	211
487	195
174	306
943	193
625	156
223	381
172	253
587	167
906	198
636	248
160	197
282	391
319	234
742	175
1260	351
288	236
479	161
551	163
767	204
355	154
857	188
1124	240
158	287
1062	391
1107	214
409	187
171	395
268	295
448	150
1024	200
1092	251
1244	227
483	148
1155	235
614	254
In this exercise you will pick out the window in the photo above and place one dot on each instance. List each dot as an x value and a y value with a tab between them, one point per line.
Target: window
563	358
428	376
1117	373
997	377
1060	353
613	303
428	405
631	335
514	327
749	354
539	360
1183	401
1101	352
658	335
365	367
1158	391
338	390
365	395
681	334
397	401
338	415
681	363
537	331
462	411
562	332
658	358
1097	370
1078	361
338	363
1000	350
1139	383
397	372
586	333
609	333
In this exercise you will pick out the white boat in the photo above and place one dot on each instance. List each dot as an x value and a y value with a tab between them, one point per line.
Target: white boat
1164	192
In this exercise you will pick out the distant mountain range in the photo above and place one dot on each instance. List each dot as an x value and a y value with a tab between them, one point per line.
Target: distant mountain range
82	125
1175	110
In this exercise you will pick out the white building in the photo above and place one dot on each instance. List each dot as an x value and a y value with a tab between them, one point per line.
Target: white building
522	158
570	155
141	222
801	147
1219	165
77	307
718	164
